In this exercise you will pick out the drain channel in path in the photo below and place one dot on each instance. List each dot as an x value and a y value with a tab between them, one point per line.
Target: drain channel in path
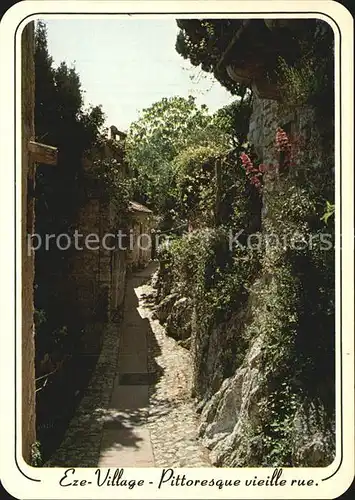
137	378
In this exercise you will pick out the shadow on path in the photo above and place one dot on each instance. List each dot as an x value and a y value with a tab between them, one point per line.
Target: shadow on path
126	437
108	426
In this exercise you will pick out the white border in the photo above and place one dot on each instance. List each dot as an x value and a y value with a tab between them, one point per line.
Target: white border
49	487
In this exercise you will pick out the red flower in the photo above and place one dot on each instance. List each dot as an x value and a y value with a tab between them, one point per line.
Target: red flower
262	168
253	172
246	161
282	141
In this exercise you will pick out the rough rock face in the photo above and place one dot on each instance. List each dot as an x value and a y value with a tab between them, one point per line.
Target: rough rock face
175	313
226	417
178	323
229	373
165	307
230	417
216	354
162	280
313	440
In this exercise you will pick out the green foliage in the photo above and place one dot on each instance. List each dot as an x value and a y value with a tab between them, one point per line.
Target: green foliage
215	276
36	457
289	279
294	312
164	131
212	194
330	211
288	284
297	84
39	317
298	330
310	79
109	176
233	119
207	197
195	183
156	138
60	118
203	42
277	413
173	148
62	121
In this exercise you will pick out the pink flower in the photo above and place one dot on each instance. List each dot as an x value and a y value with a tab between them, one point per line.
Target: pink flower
246	161
254	173
262	168
282	141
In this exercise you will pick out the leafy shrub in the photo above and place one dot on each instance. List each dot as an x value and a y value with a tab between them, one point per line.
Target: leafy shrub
36	456
211	273
310	79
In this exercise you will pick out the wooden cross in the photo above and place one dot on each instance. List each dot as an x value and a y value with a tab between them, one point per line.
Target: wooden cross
41	153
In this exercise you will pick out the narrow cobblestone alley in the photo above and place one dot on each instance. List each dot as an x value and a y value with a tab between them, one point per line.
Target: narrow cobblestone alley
176	253
137	411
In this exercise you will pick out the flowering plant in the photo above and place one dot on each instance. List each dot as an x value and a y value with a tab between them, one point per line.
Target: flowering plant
254	173
282	141
283	146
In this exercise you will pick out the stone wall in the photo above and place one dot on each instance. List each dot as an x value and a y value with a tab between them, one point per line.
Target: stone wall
97	274
231	370
27	180
230	408
140	252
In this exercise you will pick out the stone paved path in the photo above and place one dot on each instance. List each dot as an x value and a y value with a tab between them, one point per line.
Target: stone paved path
137	410
151	419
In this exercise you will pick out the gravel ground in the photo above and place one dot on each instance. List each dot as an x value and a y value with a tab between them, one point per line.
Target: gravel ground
172	419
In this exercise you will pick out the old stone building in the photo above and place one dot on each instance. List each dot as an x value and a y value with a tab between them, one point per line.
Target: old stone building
140	252
96	283
97	272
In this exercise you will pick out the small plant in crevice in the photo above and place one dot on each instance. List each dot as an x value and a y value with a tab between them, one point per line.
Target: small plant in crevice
277	413
296	84
329	212
36	456
254	174
309	80
110	177
285	149
39	317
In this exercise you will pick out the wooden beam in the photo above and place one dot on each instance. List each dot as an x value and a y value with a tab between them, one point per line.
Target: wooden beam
41	153
265	90
218	191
